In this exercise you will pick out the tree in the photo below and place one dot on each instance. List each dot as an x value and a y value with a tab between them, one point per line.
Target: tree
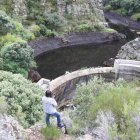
17	58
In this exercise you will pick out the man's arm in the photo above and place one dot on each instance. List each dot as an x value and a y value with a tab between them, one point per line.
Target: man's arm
54	103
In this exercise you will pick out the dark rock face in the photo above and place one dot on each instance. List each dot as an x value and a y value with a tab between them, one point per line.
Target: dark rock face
43	45
130	51
109	62
123	24
33	75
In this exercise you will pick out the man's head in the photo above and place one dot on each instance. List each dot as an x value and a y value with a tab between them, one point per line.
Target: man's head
48	94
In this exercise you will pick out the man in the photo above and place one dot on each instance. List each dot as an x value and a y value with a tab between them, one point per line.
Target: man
49	107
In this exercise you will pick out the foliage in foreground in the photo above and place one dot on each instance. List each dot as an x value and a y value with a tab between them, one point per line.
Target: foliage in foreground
23	98
119	97
51	133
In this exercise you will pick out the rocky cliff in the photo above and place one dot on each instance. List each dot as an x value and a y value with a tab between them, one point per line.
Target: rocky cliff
77	8
81	8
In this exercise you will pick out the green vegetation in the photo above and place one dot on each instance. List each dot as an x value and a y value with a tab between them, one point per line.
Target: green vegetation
42	21
125	7
15	55
3	105
136	16
9	39
51	133
22	97
119	97
6	24
53	21
17	58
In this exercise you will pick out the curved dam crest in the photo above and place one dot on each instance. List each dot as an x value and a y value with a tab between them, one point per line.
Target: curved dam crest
64	86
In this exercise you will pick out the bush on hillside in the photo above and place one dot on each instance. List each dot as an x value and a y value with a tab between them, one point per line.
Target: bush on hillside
46	32
19	30
136	16
3	105
6	24
120	98
23	98
54	21
85	28
35	29
9	39
51	133
17	58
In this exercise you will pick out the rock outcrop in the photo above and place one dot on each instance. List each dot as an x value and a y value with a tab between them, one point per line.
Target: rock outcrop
10	129
123	24
130	51
33	75
14	7
77	8
82	8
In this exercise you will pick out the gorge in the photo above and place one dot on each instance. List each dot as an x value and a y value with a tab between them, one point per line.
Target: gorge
85	53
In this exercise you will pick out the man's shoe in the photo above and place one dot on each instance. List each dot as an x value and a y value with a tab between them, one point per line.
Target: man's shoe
60	126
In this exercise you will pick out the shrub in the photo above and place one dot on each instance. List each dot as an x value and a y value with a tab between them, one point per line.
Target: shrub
85	95
22	32
99	27
85	28
35	29
47	32
17	57
23	98
9	39
118	97
54	21
6	24
51	133
122	101
3	105
136	16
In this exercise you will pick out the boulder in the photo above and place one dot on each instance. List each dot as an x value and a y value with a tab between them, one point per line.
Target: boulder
33	75
130	51
10	129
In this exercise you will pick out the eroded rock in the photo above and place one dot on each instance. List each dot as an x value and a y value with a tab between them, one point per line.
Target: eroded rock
10	129
130	51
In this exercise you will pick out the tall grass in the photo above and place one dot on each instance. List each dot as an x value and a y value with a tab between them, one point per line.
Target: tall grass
51	133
